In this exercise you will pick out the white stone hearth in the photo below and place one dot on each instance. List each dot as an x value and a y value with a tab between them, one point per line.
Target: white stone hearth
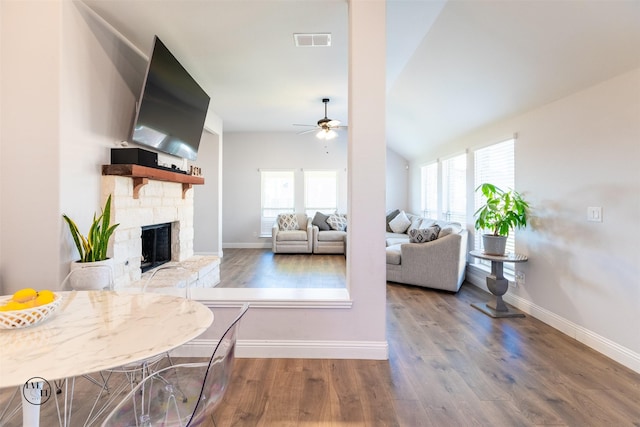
199	271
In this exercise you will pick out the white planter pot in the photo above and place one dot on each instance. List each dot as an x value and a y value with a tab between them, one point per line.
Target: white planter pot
494	245
91	275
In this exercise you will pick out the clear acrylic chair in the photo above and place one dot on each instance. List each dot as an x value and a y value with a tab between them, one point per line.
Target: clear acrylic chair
134	372
180	395
86	277
148	285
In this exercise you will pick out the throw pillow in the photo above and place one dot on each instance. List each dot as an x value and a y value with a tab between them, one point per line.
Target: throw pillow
451	228
426	223
400	223
415	223
391	215
337	222
320	220
288	222
423	235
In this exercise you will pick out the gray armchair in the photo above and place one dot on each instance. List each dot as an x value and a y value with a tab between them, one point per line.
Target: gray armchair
293	241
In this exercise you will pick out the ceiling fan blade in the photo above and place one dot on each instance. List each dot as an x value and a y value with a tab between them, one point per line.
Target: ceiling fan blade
333	123
306	131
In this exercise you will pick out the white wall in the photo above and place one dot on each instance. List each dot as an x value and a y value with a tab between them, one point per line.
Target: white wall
207	198
30	136
366	264
246	153
96	110
584	150
397	181
1	139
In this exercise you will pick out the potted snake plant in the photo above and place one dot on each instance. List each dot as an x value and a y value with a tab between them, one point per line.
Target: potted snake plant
502	212
92	248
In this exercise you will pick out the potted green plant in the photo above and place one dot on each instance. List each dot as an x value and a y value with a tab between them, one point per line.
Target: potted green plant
92	249
502	212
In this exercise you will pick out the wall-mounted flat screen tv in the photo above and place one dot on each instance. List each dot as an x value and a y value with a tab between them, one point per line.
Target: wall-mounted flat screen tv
171	111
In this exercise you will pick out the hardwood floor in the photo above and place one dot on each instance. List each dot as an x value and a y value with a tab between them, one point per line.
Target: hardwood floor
261	268
449	365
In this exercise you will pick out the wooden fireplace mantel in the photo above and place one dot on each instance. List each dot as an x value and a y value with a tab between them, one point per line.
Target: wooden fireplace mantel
142	174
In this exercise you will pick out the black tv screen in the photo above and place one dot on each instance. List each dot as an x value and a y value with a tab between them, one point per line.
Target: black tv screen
172	108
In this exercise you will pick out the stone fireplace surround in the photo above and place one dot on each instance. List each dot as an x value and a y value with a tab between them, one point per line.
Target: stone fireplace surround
158	202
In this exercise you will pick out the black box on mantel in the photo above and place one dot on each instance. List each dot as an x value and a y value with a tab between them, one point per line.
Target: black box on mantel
134	156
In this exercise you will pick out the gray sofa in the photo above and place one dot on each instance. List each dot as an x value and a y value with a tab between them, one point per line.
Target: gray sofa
437	264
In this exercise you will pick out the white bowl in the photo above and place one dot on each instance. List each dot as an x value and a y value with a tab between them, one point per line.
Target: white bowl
27	316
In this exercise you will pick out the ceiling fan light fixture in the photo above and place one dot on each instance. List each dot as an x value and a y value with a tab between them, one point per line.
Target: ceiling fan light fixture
327	134
325	126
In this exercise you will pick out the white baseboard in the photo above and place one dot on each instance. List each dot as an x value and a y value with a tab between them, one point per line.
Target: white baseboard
369	350
603	345
218	254
258	245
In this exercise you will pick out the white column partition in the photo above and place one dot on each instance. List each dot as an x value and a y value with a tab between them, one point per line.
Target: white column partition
366	269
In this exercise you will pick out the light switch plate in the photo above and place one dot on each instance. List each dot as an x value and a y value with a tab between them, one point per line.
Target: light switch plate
594	213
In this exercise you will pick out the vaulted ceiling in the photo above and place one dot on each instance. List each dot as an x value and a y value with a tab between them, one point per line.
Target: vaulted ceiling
452	66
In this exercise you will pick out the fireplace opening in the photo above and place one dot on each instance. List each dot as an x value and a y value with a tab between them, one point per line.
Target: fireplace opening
156	245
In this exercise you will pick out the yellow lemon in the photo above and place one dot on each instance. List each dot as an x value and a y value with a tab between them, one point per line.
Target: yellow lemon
44	297
31	303
13	305
24	295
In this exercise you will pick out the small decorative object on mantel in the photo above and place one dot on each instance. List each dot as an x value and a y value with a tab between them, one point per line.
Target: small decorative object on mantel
93	250
195	171
502	212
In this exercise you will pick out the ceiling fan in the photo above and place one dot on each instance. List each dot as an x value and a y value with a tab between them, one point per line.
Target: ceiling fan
325	127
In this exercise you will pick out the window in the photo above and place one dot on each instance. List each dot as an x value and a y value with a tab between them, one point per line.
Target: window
277	188
454	189
320	192
495	164
429	185
445	200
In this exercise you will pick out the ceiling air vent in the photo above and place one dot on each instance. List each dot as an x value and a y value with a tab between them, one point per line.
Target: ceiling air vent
312	40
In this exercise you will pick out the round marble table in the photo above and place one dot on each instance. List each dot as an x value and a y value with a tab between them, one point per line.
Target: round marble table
97	330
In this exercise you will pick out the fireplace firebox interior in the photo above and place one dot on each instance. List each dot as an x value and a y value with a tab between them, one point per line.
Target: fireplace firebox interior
156	245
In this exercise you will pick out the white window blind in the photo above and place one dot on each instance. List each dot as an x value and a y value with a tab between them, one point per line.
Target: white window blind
454	189
495	164
320	192
429	190
277	188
